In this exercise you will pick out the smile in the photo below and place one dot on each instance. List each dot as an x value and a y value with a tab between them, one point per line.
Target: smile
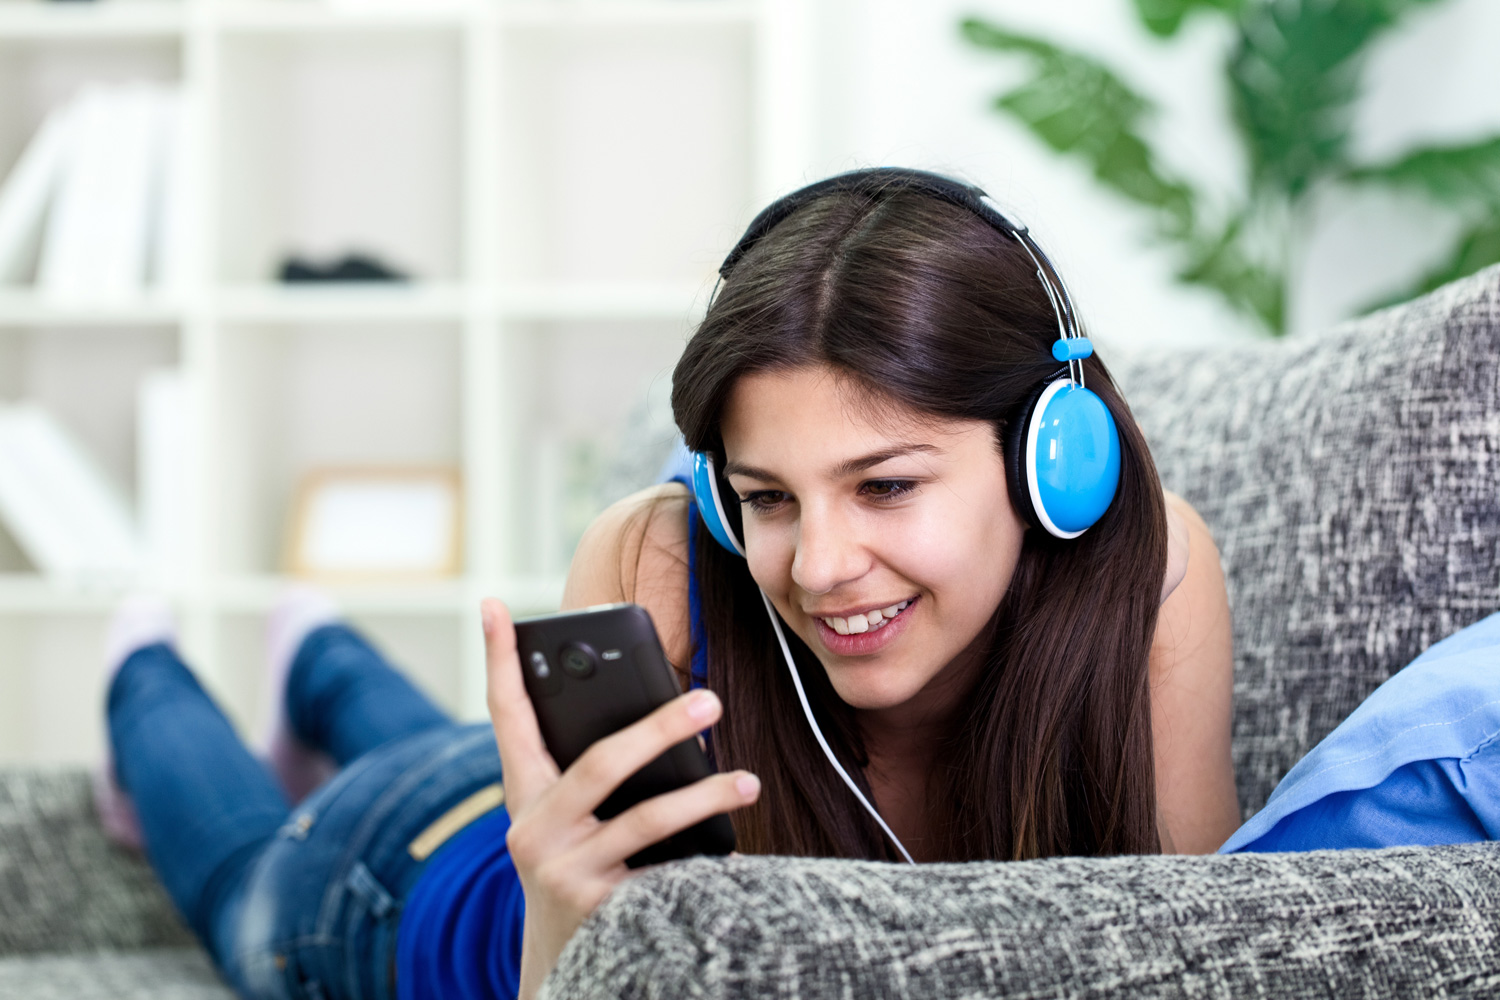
870	621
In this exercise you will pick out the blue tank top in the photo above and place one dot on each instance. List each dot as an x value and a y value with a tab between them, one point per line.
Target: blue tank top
460	932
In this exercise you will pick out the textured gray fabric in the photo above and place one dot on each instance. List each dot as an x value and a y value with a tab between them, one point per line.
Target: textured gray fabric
63	886
1354	925
156	974
1350	482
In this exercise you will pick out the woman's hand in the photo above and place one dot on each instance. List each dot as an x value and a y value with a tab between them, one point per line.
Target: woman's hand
568	859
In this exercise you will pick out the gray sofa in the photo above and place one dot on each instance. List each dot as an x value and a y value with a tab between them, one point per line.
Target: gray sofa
1350	481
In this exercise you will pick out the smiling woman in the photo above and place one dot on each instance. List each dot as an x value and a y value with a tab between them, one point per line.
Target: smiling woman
996	690
993	676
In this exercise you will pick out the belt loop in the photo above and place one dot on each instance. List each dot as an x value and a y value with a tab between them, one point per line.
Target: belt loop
368	888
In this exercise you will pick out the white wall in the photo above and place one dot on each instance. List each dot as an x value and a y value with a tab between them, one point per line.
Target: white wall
898	85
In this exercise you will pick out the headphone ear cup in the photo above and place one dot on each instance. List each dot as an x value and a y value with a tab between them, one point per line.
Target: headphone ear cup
1014	447
711	506
1068	459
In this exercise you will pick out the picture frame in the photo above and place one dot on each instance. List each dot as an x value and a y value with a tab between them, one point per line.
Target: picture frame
376	524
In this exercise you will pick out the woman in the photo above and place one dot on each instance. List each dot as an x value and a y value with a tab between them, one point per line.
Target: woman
854	377
1003	694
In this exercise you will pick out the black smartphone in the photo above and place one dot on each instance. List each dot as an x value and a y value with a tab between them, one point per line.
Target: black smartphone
590	673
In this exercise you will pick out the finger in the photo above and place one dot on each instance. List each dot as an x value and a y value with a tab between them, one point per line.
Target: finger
524	761
601	768
657	818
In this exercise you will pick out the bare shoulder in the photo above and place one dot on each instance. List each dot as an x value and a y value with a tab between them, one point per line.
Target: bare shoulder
1196	612
1192	687
637	550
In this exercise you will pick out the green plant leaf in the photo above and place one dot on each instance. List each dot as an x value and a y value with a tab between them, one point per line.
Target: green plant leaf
1453	175
1078	107
1293	79
1221	262
1477	249
1164	17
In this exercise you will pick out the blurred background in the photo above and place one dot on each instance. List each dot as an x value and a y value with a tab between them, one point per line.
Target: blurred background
385	294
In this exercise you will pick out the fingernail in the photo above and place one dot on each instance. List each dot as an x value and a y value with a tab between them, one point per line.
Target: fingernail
702	704
748	785
486	617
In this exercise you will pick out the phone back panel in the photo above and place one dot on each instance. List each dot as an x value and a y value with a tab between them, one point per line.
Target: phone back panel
628	678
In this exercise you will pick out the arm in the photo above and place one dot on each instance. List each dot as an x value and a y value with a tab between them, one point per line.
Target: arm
1192	687
568	860
637	551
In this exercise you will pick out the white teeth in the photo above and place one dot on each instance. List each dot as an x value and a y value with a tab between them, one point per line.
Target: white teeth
867	622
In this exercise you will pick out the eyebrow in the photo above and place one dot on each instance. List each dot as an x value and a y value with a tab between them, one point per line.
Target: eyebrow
845	468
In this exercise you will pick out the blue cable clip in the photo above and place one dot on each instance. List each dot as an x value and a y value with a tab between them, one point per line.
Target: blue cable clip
1071	348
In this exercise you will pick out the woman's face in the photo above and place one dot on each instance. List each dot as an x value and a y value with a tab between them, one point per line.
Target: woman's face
854	512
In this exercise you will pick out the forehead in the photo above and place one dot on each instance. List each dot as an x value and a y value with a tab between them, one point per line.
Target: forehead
816	411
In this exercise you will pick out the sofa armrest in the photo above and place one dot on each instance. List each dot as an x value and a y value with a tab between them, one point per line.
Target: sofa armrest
1388	923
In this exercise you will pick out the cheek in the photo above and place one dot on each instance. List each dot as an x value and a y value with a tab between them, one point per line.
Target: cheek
961	558
768	556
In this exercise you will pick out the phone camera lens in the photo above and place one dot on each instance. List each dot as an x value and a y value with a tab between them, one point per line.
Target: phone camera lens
578	660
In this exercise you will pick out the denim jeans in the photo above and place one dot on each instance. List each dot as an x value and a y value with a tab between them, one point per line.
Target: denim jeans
304	902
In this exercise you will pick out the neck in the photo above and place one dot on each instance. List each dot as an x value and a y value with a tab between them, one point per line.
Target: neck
915	728
902	744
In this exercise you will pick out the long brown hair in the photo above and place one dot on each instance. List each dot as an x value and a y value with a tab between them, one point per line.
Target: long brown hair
921	302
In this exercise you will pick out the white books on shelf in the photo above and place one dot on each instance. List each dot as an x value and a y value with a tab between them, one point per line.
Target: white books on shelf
60	507
28	190
96	206
166	480
97	232
167	268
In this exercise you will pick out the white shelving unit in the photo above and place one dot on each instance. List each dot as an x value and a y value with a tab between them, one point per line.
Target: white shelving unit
561	178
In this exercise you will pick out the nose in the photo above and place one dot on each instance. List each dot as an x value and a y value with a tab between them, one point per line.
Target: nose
829	552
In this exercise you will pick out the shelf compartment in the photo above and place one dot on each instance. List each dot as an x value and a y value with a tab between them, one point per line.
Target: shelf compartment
88	378
592	404
335	144
650	180
294	398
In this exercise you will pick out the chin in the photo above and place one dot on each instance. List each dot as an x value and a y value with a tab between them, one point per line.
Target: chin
869	693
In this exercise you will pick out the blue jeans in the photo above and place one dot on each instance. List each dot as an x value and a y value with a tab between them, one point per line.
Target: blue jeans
293	903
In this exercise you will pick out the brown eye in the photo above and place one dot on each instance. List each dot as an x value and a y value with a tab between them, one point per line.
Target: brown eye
889	489
762	501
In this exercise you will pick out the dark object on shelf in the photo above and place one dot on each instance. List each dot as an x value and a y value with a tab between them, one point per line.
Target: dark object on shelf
353	267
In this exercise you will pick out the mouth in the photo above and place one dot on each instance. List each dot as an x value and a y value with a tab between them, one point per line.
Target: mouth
869	621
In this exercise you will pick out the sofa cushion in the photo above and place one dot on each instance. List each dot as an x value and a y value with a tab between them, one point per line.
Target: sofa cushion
63	886
151	974
1350	925
1349	481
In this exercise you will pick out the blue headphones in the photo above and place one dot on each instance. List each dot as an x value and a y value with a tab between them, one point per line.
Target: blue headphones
1062	449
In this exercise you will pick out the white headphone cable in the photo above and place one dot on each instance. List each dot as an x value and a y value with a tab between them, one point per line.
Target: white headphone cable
827	750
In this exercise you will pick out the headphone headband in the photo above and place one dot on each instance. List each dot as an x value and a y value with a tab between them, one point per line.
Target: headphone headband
876	182
880	182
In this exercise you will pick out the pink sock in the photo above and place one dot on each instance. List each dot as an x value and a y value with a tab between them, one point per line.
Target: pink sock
299	767
141	620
